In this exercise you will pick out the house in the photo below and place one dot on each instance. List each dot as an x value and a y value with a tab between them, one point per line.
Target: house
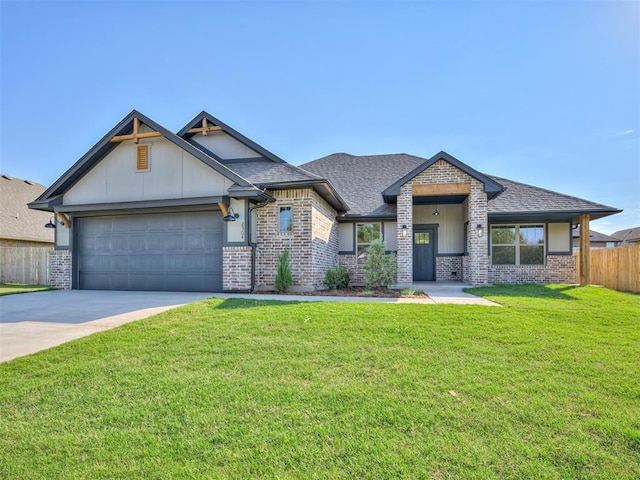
629	236
597	240
208	209
21	226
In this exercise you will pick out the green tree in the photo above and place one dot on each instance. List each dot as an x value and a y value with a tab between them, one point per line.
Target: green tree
379	267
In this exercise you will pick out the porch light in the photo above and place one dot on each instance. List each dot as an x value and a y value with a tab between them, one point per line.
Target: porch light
479	229
404	231
50	224
231	216
436	213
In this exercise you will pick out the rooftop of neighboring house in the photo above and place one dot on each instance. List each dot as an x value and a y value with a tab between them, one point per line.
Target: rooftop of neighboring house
629	235
18	222
596	236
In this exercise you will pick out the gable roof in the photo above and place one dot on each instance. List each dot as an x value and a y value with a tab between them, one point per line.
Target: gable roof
17	222
51	196
628	234
362	179
184	133
596	236
491	187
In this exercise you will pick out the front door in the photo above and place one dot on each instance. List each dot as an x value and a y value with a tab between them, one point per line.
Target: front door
424	253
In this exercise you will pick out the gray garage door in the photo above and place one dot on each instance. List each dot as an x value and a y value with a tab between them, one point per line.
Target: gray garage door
179	252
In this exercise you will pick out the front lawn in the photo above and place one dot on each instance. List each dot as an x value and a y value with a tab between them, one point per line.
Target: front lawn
546	387
13	288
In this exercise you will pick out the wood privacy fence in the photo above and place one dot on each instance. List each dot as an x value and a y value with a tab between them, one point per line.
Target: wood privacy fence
25	265
616	268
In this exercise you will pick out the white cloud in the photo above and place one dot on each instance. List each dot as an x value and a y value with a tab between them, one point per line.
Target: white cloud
626	132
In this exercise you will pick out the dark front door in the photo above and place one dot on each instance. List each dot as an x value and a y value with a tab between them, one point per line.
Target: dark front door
424	242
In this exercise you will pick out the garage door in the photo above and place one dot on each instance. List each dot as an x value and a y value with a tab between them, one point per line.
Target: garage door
179	252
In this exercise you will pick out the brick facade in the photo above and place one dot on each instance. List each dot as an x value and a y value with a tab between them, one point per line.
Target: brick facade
60	269
236	268
475	270
449	268
557	269
313	243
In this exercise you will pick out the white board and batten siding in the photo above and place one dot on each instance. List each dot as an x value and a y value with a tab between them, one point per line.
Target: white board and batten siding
225	146
450	225
173	174
559	237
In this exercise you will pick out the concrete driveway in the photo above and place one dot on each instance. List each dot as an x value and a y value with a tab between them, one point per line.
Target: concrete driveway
31	322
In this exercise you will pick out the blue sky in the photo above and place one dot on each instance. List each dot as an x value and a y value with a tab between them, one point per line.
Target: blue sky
546	93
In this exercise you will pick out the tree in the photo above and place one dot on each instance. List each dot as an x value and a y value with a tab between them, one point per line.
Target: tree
379	267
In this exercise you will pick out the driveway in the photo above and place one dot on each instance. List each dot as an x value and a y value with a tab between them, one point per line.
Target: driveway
31	322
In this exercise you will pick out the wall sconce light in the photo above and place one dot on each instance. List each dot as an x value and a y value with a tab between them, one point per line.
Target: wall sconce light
404	231
231	216
479	229
50	224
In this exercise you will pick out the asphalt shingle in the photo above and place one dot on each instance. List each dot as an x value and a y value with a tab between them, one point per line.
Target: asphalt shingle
17	221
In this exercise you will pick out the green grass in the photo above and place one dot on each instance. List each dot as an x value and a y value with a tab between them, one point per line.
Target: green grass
546	387
14	288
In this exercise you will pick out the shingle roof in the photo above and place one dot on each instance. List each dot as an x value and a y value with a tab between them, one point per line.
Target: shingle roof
596	236
361	179
628	235
17	221
268	172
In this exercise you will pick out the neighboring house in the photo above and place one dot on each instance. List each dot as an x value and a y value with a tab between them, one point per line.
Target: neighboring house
597	240
208	209
21	226
630	236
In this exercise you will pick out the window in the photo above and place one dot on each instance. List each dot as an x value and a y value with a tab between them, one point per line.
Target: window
142	158
517	245
286	219
365	234
421	238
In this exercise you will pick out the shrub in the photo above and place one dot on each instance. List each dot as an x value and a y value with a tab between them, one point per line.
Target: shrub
337	277
284	278
379	267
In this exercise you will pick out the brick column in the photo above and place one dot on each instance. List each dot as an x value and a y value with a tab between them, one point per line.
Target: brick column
478	258
60	269
236	269
405	244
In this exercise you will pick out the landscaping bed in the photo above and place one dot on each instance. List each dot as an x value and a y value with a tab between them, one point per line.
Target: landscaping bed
359	292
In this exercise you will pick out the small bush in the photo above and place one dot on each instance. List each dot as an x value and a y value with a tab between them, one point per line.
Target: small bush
337	277
284	277
379	267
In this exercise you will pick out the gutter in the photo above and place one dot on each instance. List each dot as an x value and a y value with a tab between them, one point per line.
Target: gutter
254	246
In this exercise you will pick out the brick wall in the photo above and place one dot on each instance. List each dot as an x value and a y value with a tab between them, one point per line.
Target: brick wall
356	274
313	243
324	239
558	269
449	268
60	269
475	270
236	268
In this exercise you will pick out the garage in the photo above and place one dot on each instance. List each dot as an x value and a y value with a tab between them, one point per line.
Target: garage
180	252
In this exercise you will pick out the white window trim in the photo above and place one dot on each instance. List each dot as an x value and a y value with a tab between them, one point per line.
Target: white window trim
517	244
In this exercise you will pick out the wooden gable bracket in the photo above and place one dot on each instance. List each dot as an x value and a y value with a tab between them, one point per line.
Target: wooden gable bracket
205	128
64	219
136	135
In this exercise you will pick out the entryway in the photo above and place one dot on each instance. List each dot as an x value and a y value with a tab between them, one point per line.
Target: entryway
424	252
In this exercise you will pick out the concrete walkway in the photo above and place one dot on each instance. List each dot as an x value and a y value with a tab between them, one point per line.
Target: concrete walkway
32	322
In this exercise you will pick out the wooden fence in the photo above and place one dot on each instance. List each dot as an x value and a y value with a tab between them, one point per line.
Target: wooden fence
616	268
25	265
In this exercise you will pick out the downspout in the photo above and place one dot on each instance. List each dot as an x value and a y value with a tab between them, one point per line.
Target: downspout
254	246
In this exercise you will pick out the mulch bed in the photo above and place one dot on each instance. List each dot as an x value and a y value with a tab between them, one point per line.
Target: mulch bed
357	292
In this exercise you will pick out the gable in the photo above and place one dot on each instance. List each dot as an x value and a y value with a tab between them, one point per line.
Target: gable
173	173
224	146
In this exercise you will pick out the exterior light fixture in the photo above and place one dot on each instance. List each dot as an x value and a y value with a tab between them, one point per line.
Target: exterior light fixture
231	216
436	213
479	229
50	224
404	230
